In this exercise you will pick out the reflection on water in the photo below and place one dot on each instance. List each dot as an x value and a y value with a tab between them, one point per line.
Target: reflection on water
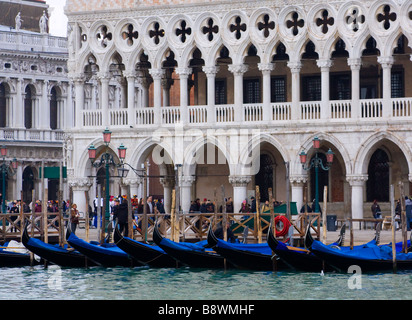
196	284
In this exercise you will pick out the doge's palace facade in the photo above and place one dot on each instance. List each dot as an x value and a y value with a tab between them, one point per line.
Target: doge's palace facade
248	85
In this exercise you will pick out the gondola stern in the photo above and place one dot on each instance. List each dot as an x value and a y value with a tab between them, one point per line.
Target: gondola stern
211	238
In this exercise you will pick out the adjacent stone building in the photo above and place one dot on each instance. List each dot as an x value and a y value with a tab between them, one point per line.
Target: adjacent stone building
36	105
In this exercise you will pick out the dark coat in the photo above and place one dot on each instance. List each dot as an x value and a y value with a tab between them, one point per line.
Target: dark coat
121	213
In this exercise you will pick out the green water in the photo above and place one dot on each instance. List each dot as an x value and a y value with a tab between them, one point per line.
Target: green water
96	283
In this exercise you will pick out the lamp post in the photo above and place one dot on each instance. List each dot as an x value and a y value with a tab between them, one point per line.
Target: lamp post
316	163
108	161
6	168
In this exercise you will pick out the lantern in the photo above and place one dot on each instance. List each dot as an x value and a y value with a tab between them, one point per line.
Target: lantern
329	156
3	151
92	152
14	164
122	152
107	136
316	143
303	156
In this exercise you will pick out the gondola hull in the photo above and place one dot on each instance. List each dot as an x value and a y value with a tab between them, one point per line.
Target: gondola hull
246	256
297	258
103	256
150	255
371	258
15	259
55	254
193	256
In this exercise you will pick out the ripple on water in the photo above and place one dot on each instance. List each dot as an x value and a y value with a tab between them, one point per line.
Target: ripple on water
195	284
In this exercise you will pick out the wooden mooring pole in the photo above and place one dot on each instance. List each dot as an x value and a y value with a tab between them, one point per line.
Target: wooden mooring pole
393	228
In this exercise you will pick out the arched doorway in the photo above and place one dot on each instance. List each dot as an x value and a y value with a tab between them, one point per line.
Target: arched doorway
378	180
264	178
28	184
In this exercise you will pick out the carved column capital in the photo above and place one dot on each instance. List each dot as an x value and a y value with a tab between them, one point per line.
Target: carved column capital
239	181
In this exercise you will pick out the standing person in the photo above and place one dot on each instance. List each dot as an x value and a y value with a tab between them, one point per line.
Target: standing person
253	205
229	205
408	211
74	218
14	209
160	207
244	209
376	210
122	215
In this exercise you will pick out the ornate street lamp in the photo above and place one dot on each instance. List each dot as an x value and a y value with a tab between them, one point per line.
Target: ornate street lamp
6	168
108	161
317	163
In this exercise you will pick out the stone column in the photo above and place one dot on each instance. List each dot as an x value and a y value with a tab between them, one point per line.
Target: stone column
79	187
168	185
266	70
295	67
42	115
357	183
185	183
184	74
104	93
386	63
19	115
211	92
130	77
68	121
239	184
238	70
79	88
355	66
166	84
157	75
324	65
297	183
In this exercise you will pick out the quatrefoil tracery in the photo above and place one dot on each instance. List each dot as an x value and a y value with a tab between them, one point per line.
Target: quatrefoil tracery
238	27
386	17
130	35
156	33
266	25
184	31
325	21
210	29
295	23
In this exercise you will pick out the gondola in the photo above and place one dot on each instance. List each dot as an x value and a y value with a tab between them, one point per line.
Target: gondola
300	259
193	255
246	256
369	257
146	254
12	255
106	255
55	254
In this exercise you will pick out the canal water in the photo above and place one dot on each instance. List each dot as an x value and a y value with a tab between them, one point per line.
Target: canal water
97	283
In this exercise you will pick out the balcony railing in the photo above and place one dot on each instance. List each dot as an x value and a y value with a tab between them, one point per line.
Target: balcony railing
339	110
10	134
30	41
